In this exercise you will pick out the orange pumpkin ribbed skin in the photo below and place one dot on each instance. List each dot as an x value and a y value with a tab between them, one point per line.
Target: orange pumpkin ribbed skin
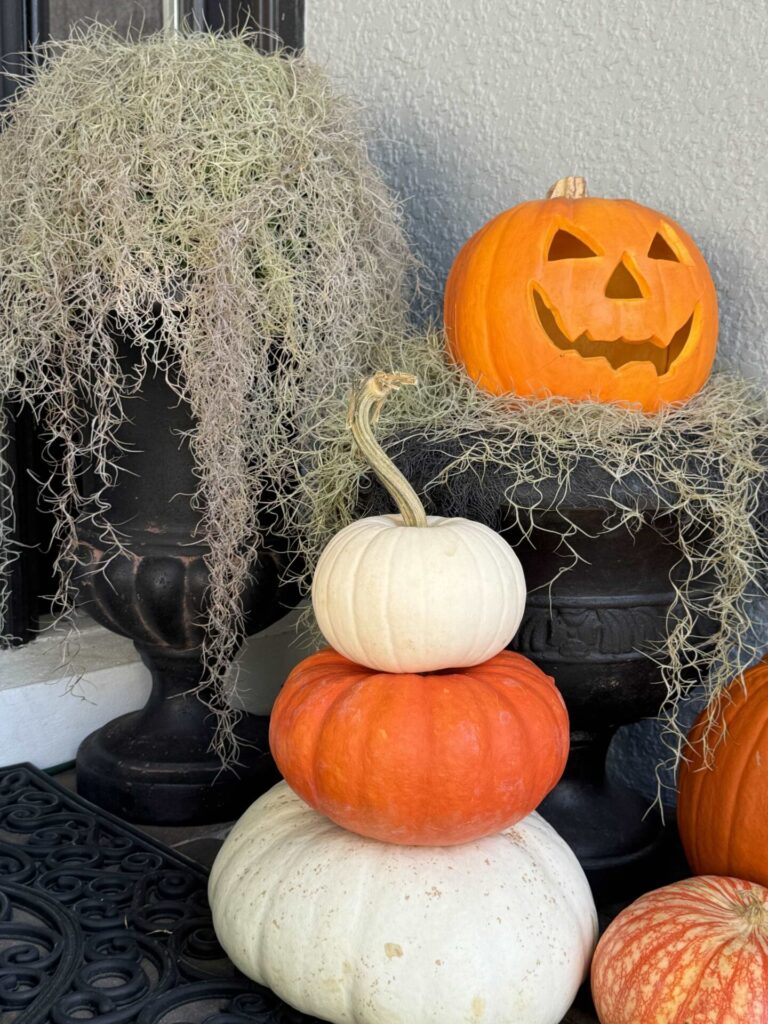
695	952
525	323
722	809
431	759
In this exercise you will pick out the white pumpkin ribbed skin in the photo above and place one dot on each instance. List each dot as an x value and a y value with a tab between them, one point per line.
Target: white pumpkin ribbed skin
499	931
416	599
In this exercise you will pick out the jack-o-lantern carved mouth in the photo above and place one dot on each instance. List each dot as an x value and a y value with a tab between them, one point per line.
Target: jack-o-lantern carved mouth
619	351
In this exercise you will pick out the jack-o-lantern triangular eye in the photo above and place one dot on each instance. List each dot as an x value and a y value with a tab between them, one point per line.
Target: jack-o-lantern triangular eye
565	246
661	249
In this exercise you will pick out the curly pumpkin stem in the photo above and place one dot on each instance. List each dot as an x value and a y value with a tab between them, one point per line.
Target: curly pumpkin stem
364	409
572	187
754	913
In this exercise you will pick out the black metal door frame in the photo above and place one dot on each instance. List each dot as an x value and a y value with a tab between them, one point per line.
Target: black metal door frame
22	23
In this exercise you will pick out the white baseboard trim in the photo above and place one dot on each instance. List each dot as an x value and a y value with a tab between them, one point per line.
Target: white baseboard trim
51	700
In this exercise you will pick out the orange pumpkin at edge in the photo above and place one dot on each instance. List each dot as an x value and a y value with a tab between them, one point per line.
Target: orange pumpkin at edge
432	759
722	807
583	298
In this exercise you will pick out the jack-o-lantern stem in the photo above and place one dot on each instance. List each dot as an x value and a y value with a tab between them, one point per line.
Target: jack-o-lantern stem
572	187
364	408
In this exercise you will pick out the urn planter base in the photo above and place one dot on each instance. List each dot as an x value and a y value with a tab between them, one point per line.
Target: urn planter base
610	828
155	766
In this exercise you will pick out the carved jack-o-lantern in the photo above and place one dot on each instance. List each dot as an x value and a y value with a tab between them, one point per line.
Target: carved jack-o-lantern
583	298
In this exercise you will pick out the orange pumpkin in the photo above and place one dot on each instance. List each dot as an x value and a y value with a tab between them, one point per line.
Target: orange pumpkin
583	298
722	806
692	953
430	759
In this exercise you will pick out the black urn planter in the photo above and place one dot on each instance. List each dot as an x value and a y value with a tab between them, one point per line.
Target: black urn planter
593	629
156	765
597	609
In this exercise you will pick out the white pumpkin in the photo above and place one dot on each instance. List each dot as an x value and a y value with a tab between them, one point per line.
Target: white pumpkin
498	931
408	592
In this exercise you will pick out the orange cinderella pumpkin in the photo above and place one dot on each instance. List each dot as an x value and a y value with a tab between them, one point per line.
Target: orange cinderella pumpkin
583	298
722	804
693	952
421	759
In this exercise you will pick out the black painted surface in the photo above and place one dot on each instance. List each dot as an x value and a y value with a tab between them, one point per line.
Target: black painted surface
279	23
22	23
594	630
155	765
127	17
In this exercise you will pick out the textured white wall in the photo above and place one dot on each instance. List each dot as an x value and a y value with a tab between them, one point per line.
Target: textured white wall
475	105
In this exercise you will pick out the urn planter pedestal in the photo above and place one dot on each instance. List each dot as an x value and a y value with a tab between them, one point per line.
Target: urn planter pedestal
594	629
599	628
597	610
157	765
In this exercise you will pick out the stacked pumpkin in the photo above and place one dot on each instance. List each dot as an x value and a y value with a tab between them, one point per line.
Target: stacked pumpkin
399	873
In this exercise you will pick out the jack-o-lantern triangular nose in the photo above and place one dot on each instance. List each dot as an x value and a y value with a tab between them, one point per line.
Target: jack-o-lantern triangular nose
622	284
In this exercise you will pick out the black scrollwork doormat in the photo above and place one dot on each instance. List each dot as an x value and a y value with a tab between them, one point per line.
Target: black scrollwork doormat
99	922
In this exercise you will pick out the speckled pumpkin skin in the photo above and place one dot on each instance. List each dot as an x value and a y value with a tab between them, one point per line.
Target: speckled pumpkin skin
695	952
499	931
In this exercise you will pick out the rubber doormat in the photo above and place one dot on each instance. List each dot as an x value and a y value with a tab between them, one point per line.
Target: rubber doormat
99	922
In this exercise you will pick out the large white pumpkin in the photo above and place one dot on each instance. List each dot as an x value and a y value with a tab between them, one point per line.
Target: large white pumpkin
408	592
499	931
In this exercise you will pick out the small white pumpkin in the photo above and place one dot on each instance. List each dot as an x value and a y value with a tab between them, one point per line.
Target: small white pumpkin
411	592
498	931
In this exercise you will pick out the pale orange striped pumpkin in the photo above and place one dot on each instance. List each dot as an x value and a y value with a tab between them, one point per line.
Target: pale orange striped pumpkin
695	952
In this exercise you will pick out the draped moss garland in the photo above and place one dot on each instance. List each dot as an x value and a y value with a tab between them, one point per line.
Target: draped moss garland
702	464
190	183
